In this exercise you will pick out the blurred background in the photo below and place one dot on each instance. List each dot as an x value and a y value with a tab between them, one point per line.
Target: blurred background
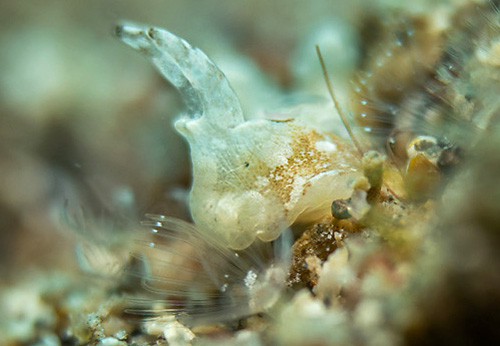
86	132
87	145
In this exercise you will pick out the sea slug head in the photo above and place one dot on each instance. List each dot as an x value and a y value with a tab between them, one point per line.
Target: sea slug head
250	178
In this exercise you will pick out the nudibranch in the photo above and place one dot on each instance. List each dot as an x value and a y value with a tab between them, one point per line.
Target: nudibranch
251	179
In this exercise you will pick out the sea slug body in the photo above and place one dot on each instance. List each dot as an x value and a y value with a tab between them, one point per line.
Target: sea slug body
251	179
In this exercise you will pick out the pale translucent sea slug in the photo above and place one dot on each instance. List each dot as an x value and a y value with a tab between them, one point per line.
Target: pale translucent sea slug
250	178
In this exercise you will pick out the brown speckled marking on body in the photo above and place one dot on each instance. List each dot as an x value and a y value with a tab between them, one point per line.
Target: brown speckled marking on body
304	153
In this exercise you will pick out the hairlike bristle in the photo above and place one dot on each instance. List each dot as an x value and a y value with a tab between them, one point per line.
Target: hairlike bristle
398	65
432	80
193	276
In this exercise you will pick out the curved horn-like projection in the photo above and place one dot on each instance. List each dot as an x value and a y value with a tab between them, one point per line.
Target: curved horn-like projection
203	86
